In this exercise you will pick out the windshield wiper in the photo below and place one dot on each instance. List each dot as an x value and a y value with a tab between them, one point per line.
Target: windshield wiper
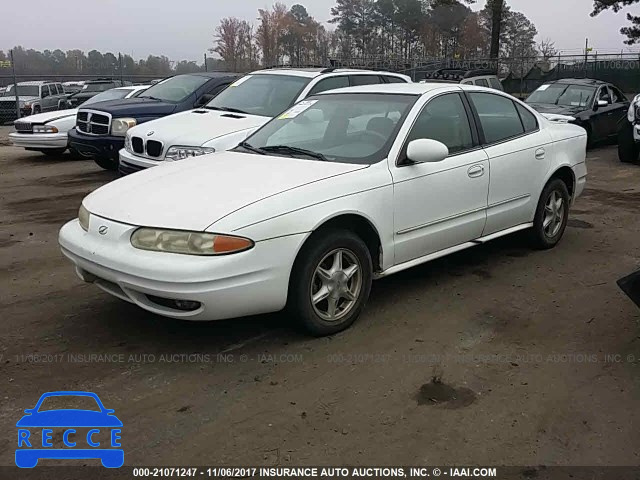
227	109
295	151
152	98
251	148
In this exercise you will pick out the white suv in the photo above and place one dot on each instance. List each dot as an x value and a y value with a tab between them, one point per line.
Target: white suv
235	113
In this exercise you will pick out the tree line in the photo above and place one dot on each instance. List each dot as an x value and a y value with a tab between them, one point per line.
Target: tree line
400	29
95	63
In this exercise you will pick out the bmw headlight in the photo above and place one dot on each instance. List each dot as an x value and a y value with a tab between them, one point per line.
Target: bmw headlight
83	217
119	126
179	152
44	129
188	243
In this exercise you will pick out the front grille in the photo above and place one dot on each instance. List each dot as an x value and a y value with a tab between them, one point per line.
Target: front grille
154	148
138	145
93	123
23	127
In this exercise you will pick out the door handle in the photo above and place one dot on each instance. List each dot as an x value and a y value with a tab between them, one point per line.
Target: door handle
476	171
540	154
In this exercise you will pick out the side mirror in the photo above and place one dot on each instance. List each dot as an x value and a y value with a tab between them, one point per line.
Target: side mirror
29	410
425	150
603	103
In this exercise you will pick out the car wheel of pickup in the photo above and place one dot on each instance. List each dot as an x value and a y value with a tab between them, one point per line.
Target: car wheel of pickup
107	164
628	149
552	215
330	282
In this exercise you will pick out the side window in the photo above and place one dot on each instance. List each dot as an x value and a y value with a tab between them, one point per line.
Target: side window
481	82
364	80
330	83
529	120
498	116
444	119
217	89
495	83
604	94
44	92
391	79
60	89
618	96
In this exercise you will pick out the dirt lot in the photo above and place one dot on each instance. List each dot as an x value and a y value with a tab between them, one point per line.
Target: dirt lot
518	338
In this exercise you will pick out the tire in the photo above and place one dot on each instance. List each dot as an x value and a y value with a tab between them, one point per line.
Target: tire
37	110
628	149
107	164
549	224
53	152
306	280
590	141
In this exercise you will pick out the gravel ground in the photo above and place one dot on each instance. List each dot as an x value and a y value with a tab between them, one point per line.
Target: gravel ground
498	355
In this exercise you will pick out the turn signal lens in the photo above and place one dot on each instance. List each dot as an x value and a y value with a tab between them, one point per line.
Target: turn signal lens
188	243
83	217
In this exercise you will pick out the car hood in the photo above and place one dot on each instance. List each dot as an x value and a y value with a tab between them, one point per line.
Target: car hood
21	98
49	116
134	107
69	418
556	109
195	193
196	127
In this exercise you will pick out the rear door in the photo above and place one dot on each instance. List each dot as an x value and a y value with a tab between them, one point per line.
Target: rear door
620	107
48	96
518	159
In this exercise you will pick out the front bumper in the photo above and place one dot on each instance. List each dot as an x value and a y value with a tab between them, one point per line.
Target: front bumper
39	140
130	163
247	283
106	147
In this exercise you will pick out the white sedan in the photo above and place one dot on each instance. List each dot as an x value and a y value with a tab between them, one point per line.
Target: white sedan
47	132
344	188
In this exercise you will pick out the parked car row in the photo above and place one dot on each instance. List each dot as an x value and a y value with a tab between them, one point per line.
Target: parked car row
306	186
48	132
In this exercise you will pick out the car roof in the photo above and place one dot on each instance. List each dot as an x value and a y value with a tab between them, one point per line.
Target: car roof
318	71
34	82
580	81
397	88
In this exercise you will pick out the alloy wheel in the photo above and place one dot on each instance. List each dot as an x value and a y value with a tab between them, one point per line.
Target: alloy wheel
336	285
553	214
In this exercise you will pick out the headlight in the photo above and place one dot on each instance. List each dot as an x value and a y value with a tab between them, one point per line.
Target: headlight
44	129
188	243
119	126
179	153
127	143
83	217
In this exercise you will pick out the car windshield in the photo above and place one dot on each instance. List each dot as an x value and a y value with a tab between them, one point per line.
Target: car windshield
113	94
562	94
23	91
262	94
175	89
66	402
347	128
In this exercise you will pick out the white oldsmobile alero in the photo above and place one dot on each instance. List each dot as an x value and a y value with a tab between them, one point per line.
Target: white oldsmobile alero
343	188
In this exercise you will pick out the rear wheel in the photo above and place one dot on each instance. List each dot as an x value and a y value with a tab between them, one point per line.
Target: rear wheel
628	149
331	282
552	215
107	163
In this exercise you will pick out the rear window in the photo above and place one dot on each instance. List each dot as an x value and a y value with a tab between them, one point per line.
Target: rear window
498	116
495	83
391	79
364	80
481	82
528	119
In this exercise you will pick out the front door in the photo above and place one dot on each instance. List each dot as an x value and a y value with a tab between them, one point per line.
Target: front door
440	205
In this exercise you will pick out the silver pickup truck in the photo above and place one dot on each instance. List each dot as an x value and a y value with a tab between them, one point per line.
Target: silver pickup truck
33	98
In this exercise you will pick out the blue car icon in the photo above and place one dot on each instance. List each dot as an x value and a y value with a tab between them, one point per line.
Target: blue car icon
35	432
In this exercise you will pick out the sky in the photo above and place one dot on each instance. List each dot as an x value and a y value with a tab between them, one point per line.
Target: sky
184	30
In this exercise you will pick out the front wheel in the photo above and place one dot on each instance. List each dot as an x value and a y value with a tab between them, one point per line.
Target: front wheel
552	215
107	163
331	282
